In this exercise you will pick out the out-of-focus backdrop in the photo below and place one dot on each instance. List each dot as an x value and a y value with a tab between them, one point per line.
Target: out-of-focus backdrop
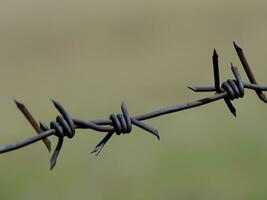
90	55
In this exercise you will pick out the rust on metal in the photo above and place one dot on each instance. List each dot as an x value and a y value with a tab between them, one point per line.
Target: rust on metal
122	123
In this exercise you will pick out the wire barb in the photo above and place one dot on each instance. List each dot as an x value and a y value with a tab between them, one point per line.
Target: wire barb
121	124
33	122
216	71
248	71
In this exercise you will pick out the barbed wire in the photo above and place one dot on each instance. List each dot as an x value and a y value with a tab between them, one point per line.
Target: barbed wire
122	123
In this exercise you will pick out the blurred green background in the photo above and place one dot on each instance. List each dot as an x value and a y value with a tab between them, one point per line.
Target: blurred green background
89	55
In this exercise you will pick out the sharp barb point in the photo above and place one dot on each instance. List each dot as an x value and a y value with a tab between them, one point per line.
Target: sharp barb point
248	71
18	103
263	97
56	153
192	88
123	104
52	165
230	106
96	151
233	112
157	134
216	72
54	102
215	54
237	47
33	122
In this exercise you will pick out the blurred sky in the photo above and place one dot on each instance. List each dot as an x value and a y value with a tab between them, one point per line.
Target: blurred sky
90	55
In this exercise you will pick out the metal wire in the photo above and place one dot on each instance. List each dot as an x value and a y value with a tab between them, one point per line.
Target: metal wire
122	123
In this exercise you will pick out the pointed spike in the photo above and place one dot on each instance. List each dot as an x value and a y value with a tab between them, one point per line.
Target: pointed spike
19	104
192	88
43	126
202	89
248	71
123	105
33	122
54	157
262	97
101	144
66	116
230	106
146	127
52	164
214	53
56	104
237	47
216	72
234	113
97	150
157	134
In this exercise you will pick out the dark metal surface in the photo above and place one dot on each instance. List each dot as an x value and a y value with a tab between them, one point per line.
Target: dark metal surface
248	71
122	123
216	71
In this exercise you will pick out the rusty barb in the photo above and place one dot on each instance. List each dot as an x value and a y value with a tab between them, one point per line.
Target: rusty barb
122	123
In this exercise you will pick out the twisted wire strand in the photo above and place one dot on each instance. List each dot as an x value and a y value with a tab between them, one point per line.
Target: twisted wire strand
122	123
234	89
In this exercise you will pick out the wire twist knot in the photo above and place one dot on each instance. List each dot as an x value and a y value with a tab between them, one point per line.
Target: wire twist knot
234	89
121	122
64	125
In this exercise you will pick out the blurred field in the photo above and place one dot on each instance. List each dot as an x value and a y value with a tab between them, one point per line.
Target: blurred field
146	52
